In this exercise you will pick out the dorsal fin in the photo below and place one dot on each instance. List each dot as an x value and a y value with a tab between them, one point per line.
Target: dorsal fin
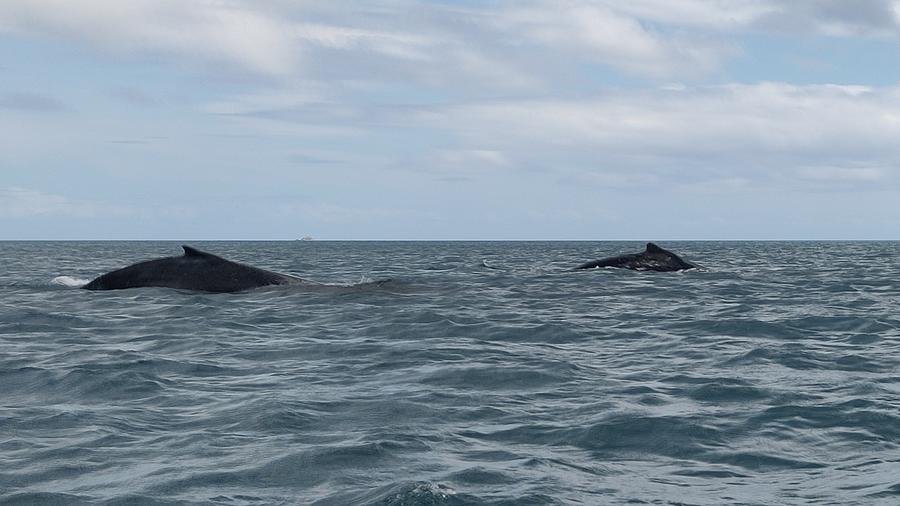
652	248
191	252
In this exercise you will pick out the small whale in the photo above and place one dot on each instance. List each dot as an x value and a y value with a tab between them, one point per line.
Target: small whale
194	270
653	258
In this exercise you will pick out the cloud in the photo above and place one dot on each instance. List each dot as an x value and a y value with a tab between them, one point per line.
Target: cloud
734	131
268	38
428	42
730	118
459	165
257	103
733	137
133	96
407	46
717	15
843	174
331	214
506	45
30	102
824	17
218	31
18	202
604	34
835	17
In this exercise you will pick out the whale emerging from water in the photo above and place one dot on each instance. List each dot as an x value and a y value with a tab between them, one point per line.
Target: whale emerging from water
653	258
195	270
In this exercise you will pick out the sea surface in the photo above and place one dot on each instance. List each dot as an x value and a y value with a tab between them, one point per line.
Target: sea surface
482	373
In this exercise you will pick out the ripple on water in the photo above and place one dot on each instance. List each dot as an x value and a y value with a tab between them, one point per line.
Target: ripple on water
768	377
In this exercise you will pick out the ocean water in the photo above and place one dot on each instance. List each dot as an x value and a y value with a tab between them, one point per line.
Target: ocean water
480	374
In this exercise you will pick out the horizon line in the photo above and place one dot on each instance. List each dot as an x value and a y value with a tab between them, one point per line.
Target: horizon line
449	240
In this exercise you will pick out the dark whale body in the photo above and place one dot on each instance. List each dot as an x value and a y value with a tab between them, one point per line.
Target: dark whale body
195	270
653	258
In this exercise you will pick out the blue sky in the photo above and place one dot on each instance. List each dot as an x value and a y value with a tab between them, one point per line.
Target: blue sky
590	120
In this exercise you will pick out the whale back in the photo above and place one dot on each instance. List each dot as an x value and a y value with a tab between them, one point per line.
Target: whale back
194	270
653	258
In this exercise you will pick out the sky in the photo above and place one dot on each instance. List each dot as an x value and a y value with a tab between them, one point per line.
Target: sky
450	120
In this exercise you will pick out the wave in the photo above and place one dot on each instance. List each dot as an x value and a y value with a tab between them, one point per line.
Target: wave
396	384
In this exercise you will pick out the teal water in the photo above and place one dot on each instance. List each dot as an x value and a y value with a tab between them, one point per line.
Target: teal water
482	373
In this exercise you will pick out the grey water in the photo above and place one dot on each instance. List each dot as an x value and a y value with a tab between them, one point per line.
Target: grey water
481	374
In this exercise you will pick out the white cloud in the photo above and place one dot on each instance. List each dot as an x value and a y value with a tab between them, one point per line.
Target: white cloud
842	174
401	45
735	132
277	39
18	202
461	164
261	37
433	43
30	102
839	18
732	118
329	213
257	102
715	14
754	135
603	34
207	29
836	18
508	45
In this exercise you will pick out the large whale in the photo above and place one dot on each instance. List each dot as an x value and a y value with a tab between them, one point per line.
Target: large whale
194	270
653	258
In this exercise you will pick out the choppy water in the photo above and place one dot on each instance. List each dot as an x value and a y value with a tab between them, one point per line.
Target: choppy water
484	373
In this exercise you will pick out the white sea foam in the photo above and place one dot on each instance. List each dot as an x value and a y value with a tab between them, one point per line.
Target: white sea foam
69	281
